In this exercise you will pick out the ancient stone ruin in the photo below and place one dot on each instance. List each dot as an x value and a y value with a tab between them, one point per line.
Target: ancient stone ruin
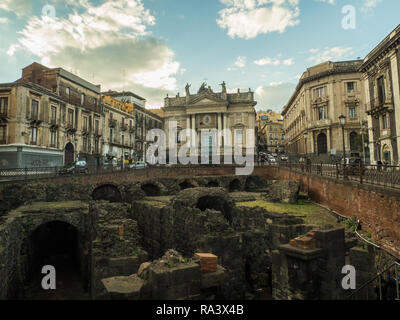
170	238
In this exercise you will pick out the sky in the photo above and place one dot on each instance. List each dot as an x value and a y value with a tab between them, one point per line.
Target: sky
155	47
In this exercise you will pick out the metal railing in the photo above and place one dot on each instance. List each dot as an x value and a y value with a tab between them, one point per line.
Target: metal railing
380	175
381	284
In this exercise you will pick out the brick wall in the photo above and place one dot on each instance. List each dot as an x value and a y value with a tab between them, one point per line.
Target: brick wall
377	208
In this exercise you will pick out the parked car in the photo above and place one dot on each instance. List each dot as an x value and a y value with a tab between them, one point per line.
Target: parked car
138	165
74	167
284	158
271	159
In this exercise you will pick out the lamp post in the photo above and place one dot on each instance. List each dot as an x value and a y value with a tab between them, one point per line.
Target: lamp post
342	121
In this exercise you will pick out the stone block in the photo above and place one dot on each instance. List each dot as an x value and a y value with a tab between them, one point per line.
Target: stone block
208	262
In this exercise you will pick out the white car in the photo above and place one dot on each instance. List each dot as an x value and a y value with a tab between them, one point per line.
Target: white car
284	158
271	160
138	165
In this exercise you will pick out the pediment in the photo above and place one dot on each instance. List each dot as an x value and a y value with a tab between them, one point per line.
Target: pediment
206	99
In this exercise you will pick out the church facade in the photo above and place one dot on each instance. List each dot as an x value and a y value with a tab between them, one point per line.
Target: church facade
208	113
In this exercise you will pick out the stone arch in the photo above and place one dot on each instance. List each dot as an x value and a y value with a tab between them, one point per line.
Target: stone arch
251	183
60	244
213	184
187	184
151	189
69	153
107	192
322	143
215	202
235	185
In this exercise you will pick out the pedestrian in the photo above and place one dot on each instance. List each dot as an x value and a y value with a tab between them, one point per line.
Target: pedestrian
379	165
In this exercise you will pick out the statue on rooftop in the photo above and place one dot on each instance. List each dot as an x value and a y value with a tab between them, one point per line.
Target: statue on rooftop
187	89
223	84
202	88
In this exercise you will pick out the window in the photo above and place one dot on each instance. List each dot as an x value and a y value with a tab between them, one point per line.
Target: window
320	92
350	87
53	136
111	135
53	114
123	139
85	124
96	126
131	140
82	99
384	122
70	117
352	112
3	134
96	145
239	136
3	106
321	113
84	143
381	90
68	91
34	132
35	109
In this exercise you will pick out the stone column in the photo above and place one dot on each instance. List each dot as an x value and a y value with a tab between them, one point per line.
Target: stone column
225	115
193	128
219	116
188	127
328	137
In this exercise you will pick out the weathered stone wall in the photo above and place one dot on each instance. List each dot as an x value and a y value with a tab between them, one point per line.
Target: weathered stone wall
15	230
242	238
377	208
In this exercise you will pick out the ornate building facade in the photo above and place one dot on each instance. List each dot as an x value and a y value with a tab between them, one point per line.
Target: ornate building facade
271	135
49	117
311	117
144	120
119	119
381	74
207	112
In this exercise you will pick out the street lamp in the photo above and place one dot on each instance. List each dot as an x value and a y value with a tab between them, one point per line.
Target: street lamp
342	121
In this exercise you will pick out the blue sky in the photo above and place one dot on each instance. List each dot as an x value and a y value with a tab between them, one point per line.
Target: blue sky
153	47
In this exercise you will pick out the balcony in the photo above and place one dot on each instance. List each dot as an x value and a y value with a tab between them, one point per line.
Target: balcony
112	123
132	129
70	128
124	127
378	106
320	124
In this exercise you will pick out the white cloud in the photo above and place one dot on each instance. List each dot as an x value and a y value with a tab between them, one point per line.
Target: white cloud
105	41
241	62
274	62
330	54
274	96
18	7
3	20
249	18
